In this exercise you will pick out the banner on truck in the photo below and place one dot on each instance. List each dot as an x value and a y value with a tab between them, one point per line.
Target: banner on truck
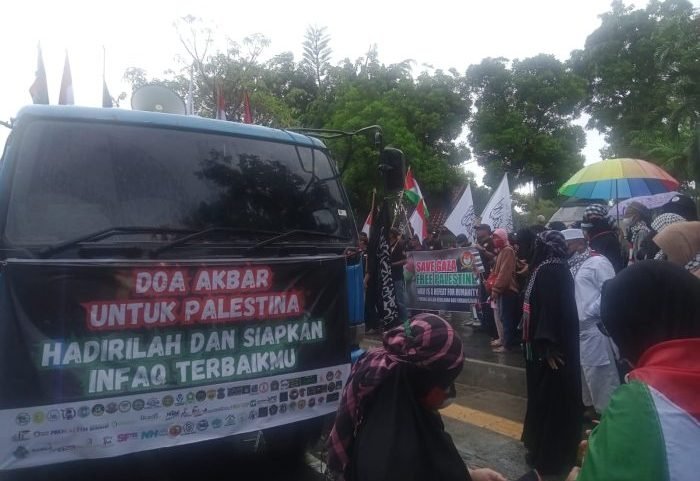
445	280
101	360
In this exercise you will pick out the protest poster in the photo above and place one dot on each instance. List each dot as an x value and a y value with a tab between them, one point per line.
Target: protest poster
445	280
99	360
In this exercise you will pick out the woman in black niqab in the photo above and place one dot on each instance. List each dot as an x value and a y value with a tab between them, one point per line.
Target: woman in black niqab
648	303
553	420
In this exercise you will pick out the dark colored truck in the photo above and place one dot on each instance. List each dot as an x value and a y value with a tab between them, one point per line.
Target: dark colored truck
168	283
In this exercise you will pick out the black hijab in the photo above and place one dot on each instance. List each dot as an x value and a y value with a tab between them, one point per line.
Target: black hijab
549	245
648	303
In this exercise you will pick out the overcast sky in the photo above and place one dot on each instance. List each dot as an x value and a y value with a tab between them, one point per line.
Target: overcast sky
140	33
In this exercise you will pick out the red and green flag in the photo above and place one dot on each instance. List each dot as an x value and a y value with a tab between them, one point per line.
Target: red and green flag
412	191
652	424
418	221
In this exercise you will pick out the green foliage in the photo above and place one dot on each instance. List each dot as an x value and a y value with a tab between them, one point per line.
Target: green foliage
528	207
317	53
523	121
480	193
637	78
644	83
423	115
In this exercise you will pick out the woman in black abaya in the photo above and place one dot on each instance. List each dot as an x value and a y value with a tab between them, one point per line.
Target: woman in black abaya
553	420
387	427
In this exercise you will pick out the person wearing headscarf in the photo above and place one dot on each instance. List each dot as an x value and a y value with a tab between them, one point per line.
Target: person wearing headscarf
590	270
664	220
651	250
505	291
487	253
650	431
680	244
557	225
553	420
601	235
637	226
682	205
387	426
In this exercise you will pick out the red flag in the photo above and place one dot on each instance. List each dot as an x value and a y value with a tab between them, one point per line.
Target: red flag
368	224
247	115
220	103
39	90
65	96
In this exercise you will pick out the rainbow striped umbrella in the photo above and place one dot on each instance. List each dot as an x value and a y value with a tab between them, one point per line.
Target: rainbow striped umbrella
618	179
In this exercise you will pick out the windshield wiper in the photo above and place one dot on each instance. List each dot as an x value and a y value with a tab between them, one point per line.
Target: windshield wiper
206	232
104	233
293	232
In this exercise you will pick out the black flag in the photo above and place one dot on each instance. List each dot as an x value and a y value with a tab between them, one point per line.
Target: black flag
381	295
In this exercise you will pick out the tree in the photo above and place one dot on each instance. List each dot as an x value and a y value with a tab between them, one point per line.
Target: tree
317	53
423	115
523	123
644	94
527	208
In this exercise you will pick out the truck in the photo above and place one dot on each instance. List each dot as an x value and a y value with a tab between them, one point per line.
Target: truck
168	284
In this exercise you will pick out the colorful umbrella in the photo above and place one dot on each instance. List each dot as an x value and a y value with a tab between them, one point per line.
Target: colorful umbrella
618	179
651	201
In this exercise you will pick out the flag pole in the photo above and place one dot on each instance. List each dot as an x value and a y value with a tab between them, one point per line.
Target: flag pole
400	200
405	217
190	100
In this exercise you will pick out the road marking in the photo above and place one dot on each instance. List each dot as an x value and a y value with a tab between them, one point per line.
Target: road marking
494	423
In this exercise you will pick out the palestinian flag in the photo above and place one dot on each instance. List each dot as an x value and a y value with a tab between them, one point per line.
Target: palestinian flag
418	221
651	428
412	191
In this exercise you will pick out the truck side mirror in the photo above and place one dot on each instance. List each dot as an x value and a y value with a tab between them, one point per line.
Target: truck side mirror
392	165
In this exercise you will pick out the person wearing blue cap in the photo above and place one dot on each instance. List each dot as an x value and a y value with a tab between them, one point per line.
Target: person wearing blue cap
590	270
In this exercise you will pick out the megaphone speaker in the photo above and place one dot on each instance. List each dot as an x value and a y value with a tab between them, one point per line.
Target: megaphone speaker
156	98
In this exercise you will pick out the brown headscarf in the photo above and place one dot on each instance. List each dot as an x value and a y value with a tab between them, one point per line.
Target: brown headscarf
680	242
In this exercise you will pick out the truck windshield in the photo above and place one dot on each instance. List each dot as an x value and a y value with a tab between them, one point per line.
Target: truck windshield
74	178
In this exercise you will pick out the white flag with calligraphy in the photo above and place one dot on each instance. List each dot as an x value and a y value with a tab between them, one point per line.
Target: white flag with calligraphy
463	217
499	211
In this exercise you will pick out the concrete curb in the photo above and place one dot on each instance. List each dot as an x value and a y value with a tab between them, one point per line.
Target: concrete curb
494	377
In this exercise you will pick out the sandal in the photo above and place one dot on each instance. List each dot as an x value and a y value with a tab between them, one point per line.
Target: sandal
500	349
496	343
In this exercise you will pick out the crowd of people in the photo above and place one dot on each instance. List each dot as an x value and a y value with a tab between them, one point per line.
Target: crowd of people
607	315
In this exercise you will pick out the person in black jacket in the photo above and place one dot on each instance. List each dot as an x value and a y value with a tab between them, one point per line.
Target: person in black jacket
602	236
